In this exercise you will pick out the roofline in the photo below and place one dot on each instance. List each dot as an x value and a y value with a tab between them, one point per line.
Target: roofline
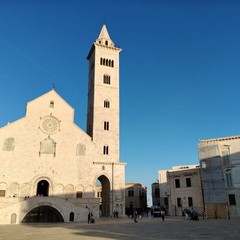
219	139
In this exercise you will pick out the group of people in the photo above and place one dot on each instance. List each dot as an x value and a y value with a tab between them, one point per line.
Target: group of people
191	214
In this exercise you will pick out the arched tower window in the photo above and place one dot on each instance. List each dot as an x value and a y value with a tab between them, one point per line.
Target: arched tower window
106	43
105	150
9	144
106	125
112	63
106	103
106	79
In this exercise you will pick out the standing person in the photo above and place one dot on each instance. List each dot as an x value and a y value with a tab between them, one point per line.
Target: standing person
135	214
90	215
163	215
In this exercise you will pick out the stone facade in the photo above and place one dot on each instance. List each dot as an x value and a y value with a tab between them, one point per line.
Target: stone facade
136	198
180	188
49	164
185	190
220	170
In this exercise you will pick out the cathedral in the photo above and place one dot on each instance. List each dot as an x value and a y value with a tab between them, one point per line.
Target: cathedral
52	170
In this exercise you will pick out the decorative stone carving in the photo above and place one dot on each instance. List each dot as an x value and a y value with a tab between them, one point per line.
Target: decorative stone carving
81	150
49	125
8	144
48	146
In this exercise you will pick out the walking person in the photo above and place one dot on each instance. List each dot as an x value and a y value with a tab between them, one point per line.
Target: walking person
89	217
135	214
162	215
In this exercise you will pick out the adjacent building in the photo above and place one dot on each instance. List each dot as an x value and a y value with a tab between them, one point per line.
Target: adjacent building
136	197
155	194
49	166
220	171
180	188
185	190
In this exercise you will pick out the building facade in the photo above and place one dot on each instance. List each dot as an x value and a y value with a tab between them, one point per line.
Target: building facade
220	171
185	190
163	188
155	194
180	188
135	198
50	166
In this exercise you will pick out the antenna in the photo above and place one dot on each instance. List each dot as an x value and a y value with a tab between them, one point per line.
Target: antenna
54	86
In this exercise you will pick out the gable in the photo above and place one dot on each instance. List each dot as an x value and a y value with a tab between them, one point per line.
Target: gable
50	103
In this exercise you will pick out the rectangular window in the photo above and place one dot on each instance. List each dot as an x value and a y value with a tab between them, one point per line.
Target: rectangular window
225	156
228	177
131	193
2	193
166	201
190	202
179	202
157	193
232	200
177	183
188	182
79	194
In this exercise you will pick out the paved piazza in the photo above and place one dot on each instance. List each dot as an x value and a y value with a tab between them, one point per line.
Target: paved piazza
171	228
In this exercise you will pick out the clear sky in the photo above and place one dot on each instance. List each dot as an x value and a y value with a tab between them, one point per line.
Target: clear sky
179	70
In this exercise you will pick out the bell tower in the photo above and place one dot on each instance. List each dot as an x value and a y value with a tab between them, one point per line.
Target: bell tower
103	96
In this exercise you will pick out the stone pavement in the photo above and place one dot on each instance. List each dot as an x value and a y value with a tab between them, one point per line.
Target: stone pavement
125	228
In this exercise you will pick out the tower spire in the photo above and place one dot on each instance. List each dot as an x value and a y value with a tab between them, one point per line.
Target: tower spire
104	38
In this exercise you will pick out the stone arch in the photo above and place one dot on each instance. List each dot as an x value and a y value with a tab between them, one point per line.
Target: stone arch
105	195
69	191
43	188
13	218
3	187
13	189
25	190
89	191
39	178
43	213
81	149
71	217
59	190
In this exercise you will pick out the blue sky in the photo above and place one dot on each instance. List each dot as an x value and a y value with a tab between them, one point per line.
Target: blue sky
179	70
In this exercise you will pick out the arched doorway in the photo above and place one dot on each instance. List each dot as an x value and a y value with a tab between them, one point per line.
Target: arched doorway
42	188
71	217
105	196
43	214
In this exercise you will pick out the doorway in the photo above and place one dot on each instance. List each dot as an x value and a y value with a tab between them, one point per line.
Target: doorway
104	207
43	214
42	188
